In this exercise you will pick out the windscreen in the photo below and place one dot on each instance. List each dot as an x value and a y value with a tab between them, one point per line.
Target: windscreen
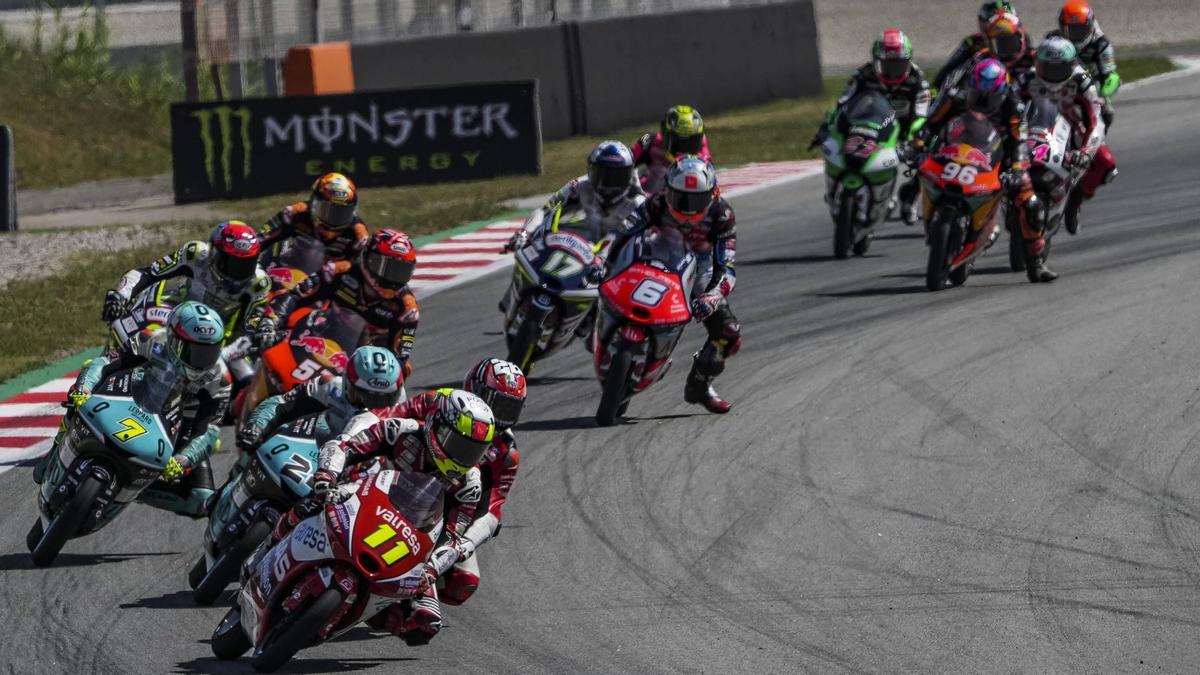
302	253
976	131
870	107
665	245
1042	114
156	390
417	497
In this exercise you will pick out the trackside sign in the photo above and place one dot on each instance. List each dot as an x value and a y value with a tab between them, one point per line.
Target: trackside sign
231	149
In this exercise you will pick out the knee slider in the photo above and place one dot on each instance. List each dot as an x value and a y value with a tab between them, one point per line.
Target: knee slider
459	586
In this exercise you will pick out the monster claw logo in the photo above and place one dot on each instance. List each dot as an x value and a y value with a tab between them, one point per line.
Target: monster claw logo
224	116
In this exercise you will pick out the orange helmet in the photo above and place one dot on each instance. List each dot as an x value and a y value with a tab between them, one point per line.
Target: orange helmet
1006	37
1076	21
334	202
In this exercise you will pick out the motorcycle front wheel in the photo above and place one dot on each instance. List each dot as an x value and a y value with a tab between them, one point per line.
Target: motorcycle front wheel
843	231
939	254
227	565
299	634
615	384
67	521
229	641
524	344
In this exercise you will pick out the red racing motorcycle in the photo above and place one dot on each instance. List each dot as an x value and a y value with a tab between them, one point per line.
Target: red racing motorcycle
334	570
644	306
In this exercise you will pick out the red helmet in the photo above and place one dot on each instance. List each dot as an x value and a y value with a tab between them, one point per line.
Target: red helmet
1006	37
388	262
1077	22
233	251
334	202
501	385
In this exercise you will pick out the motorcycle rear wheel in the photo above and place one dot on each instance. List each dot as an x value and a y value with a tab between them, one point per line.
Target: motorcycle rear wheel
231	643
226	567
936	268
66	523
843	231
616	382
525	342
299	634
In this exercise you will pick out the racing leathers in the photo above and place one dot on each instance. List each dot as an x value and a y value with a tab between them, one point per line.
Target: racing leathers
341	246
910	99
240	305
402	443
1009	120
1080	102
1100	60
713	239
390	323
650	151
975	47
195	430
477	521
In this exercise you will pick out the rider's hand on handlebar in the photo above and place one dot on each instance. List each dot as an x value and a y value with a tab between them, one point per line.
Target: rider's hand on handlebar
178	467
516	241
77	396
595	274
250	436
266	335
324	486
115	306
704	306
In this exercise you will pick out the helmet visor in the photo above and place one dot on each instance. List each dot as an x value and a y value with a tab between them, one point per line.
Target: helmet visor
1007	46
1054	72
388	272
892	70
1077	32
370	400
506	409
684	145
194	355
234	268
333	216
458	453
610	182
689	203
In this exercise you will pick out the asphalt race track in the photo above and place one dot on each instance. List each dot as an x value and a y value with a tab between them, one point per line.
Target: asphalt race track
1002	477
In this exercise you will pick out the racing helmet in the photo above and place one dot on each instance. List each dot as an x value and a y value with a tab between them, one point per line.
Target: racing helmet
691	185
891	57
610	171
682	131
374	378
388	262
1077	22
501	385
195	333
233	252
458	431
990	8
987	86
333	203
1005	37
1055	61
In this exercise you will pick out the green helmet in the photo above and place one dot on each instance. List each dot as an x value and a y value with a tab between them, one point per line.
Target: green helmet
195	334
891	56
1055	60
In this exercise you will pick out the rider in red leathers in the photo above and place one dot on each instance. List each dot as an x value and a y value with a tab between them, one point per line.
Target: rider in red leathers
680	134
376	288
502	386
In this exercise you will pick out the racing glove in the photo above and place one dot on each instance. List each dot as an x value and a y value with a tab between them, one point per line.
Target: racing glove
115	306
465	548
704	306
324	486
1112	82
250	436
516	241
595	274
266	336
1078	158
442	559
178	467
77	395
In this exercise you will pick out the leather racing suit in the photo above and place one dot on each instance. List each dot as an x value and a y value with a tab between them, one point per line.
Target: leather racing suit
341	246
650	151
1100	59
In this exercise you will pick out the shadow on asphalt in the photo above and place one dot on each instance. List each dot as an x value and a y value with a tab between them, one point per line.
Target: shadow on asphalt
21	561
172	600
788	260
545	381
298	664
564	424
878	290
900	235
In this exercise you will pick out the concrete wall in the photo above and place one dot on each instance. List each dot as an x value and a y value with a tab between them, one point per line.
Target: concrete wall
531	53
634	68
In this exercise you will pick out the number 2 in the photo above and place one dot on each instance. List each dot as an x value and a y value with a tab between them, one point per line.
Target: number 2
382	535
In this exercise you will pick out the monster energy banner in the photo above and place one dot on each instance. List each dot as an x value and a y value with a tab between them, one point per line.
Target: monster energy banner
265	146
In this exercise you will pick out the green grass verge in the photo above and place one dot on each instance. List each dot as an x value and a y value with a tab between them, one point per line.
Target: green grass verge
46	319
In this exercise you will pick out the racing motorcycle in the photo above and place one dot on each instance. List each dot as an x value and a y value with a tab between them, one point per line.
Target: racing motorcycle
114	446
316	345
554	286
335	569
644	306
1050	170
961	177
861	165
279	474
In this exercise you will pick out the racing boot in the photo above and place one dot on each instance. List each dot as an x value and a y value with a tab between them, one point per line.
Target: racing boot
1071	212
698	389
1035	263
908	201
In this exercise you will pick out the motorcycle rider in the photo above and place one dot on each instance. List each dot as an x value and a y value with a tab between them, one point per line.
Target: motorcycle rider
375	287
222	273
1077	23
501	385
692	205
987	91
1003	38
373	380
680	133
1059	76
329	215
891	72
456	433
183	359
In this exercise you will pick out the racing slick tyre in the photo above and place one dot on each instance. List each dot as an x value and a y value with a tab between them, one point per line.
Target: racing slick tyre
939	254
298	634
616	384
1016	246
227	565
863	245
958	276
35	535
66	523
524	343
229	641
843	230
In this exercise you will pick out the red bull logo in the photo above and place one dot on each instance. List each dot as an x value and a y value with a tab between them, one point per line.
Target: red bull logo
965	155
327	352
